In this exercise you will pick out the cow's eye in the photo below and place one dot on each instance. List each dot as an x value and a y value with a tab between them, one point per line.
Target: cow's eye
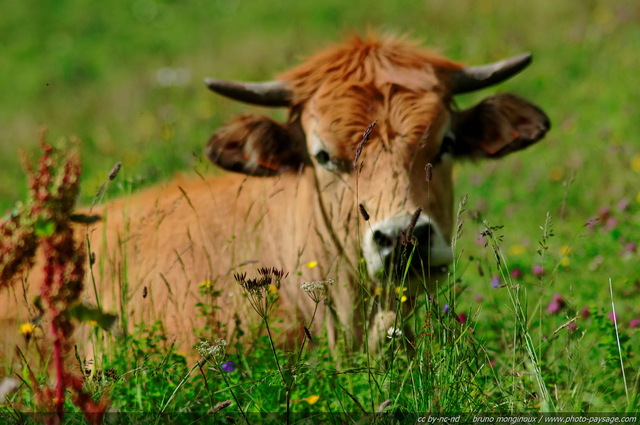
323	157
445	148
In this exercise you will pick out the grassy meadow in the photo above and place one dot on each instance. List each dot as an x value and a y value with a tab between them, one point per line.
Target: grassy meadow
531	332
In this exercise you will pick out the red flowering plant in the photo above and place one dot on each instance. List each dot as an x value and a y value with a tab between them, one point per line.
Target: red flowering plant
45	221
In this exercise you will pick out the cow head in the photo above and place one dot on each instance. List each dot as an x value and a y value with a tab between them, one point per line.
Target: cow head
399	175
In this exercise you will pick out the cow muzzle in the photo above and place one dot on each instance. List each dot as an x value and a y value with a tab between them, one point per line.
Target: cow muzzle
391	248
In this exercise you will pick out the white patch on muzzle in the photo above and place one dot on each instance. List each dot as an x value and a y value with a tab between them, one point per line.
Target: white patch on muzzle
382	240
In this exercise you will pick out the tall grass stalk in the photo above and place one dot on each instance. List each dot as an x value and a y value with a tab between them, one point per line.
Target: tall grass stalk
547	403
615	326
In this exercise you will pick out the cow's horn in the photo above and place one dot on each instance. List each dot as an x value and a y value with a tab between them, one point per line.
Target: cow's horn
268	93
477	77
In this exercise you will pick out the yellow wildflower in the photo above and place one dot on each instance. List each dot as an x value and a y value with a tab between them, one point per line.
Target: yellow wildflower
517	249
400	289
635	163
556	174
564	261
273	289
403	298
92	323
312	399
377	291
312	264
206	284
565	250
27	328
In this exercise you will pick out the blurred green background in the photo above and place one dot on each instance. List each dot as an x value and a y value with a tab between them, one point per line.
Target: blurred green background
125	77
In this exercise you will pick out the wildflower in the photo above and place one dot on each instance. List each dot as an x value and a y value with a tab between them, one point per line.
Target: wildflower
556	174
479	298
261	296
572	327
311	264
205	284
564	261
377	291
516	273
317	290
312	399
557	303
228	366
495	282
210	351
537	270
481	240
628	250
604	213
634	323
446	308
517	249
635	163
613	317
585	312
403	298
611	223
27	328
462	318
623	204
393	332
596	262
565	250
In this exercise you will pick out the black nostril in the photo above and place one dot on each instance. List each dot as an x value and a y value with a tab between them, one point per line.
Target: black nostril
424	233
382	240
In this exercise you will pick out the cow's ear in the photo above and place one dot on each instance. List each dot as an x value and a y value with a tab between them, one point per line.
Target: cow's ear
497	126
258	146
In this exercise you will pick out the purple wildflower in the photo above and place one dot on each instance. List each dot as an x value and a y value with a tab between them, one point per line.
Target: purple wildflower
446	308
613	317
537	270
228	366
634	323
557	303
604	213
495	282
623	204
585	312
572	327
516	273
628	249
462	318
611	223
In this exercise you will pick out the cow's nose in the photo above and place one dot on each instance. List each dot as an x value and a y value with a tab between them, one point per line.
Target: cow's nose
391	238
389	243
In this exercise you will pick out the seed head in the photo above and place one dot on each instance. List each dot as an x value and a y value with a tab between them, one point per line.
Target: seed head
363	212
407	235
317	290
428	172
114	171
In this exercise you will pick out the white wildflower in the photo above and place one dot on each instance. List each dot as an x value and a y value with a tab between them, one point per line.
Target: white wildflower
393	333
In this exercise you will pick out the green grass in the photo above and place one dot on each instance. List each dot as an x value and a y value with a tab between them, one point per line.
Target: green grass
91	69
